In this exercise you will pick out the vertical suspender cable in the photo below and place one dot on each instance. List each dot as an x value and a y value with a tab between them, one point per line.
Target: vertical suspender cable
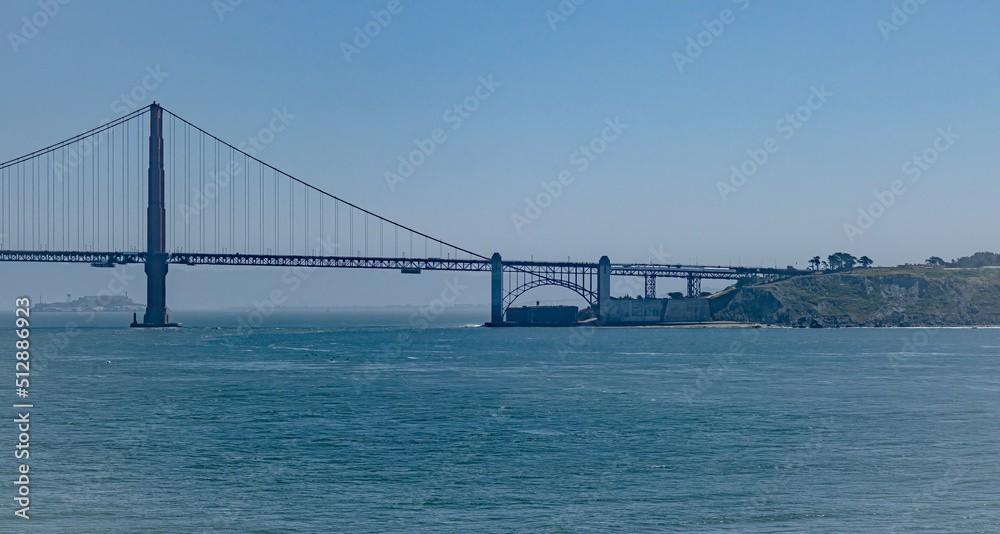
232	185
201	212
260	235
34	204
17	207
170	178
305	221
127	143
276	204
246	204
93	191
218	202
111	189
187	188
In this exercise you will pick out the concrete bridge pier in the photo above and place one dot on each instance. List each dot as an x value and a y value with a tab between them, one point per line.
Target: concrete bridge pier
603	289
496	295
156	292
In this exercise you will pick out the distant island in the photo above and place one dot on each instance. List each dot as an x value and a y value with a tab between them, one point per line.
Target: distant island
962	292
109	303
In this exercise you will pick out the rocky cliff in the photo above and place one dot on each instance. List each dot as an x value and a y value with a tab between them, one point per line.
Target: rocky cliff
868	297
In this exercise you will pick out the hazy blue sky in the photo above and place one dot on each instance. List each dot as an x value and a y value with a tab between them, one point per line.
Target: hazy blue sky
887	81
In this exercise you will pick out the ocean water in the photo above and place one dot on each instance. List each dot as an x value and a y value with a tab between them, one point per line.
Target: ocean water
358	422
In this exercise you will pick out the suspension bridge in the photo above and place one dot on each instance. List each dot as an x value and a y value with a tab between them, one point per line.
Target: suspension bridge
207	202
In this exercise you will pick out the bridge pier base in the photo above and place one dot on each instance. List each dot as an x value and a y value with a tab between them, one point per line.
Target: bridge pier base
156	315
496	293
603	289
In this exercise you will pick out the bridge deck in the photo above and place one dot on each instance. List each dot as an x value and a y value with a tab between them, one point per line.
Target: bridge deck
108	259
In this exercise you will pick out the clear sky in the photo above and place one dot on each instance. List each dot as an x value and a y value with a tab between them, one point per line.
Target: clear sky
839	97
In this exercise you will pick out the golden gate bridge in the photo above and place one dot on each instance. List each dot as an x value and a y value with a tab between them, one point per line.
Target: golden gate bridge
103	198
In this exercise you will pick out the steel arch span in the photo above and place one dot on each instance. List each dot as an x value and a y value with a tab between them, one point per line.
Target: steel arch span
581	278
510	296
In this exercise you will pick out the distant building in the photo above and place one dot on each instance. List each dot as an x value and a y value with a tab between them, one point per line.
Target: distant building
108	303
543	315
658	311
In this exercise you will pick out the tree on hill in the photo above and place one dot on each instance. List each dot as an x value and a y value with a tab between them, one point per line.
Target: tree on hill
833	260
815	261
841	260
865	262
979	259
934	260
676	295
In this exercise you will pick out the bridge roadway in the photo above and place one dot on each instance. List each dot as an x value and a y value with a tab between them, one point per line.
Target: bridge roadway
541	268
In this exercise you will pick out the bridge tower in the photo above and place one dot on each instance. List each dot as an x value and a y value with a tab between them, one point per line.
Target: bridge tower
694	286
156	230
496	297
603	289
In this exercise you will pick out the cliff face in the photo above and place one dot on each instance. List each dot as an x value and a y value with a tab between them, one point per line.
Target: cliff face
869	297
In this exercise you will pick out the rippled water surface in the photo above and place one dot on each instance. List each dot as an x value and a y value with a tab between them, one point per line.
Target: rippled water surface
356	422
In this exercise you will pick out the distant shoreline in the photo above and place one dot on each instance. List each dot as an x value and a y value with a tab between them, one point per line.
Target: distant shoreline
142	308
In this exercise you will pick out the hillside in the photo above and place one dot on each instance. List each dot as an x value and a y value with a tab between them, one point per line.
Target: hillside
869	297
